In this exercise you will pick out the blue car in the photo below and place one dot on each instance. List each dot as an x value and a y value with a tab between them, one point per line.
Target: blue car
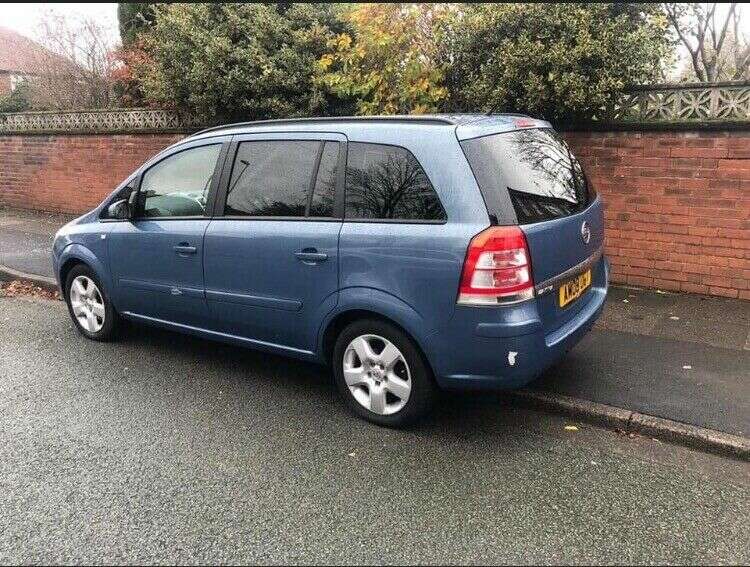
409	253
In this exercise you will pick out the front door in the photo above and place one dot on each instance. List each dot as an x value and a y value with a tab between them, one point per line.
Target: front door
271	252
157	257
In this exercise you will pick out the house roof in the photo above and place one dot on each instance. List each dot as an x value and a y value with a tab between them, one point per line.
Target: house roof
20	54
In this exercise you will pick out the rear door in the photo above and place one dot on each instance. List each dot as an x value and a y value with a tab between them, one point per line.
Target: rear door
530	177
271	251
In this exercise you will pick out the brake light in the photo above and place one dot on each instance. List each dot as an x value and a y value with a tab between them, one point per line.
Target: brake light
524	122
497	268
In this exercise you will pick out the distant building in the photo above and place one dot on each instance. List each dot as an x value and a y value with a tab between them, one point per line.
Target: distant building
20	59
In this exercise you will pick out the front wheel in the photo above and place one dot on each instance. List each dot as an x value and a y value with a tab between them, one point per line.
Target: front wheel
89	306
381	374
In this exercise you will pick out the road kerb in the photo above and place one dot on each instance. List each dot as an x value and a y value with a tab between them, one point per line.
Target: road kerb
691	435
44	282
634	422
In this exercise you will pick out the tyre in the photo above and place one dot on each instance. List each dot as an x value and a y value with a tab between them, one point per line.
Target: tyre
89	306
381	374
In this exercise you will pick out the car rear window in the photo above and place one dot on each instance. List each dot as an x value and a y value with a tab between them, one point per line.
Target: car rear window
533	171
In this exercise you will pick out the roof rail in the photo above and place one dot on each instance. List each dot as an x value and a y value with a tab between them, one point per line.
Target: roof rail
425	119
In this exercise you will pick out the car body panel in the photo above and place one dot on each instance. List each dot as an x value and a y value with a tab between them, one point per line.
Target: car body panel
419	264
257	288
245	285
152	277
557	247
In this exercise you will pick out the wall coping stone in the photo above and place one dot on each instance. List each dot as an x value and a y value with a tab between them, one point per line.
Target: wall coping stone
682	106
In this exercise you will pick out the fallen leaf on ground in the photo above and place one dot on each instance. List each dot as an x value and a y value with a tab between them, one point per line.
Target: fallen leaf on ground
571	428
18	288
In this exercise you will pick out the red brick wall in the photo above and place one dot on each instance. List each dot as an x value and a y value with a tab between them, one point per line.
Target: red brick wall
677	207
677	203
4	84
67	173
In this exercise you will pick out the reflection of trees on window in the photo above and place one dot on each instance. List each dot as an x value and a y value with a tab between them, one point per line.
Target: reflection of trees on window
321	204
550	159
552	184
386	182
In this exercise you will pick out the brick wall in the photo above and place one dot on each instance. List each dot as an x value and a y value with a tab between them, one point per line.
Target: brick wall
677	203
70	173
4	83
677	207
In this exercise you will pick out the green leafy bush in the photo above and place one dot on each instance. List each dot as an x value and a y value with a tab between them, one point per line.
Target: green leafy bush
18	100
563	62
238	61
559	61
134	18
393	62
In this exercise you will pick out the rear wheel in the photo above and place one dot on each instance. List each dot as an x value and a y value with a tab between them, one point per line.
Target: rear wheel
89	306
381	374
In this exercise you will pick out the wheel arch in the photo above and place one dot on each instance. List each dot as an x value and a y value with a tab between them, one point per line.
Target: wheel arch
372	304
76	254
67	266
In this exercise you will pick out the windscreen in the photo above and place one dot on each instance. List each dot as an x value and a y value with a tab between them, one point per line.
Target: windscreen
533	169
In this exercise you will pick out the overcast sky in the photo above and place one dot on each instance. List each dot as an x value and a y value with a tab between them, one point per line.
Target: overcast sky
24	18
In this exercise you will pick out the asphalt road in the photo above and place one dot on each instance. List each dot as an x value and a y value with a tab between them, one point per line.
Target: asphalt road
649	375
164	448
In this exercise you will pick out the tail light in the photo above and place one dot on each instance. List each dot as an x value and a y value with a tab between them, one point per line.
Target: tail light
497	269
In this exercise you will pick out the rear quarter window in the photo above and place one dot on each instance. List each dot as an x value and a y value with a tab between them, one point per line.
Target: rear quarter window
388	183
532	171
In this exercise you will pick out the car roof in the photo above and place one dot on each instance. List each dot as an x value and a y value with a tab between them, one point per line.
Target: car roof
465	125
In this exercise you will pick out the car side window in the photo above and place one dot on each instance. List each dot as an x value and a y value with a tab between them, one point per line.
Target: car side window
387	183
178	185
274	178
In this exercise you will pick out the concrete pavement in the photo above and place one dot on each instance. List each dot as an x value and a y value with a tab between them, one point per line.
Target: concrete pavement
702	378
165	448
26	239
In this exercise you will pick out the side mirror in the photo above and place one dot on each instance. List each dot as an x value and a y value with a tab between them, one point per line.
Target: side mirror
119	210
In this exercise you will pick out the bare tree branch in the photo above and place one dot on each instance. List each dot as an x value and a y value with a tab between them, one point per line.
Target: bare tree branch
722	35
741	54
76	70
715	47
674	18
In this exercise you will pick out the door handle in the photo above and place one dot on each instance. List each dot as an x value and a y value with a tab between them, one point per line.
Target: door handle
185	248
311	256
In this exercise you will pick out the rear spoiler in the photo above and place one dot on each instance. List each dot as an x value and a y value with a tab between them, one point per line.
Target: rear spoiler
497	124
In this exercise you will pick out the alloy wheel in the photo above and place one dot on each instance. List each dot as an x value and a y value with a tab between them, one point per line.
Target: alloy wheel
87	303
377	374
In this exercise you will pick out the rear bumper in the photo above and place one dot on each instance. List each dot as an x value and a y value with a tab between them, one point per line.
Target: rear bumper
480	355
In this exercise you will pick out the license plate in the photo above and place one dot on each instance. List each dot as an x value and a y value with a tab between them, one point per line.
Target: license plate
573	289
